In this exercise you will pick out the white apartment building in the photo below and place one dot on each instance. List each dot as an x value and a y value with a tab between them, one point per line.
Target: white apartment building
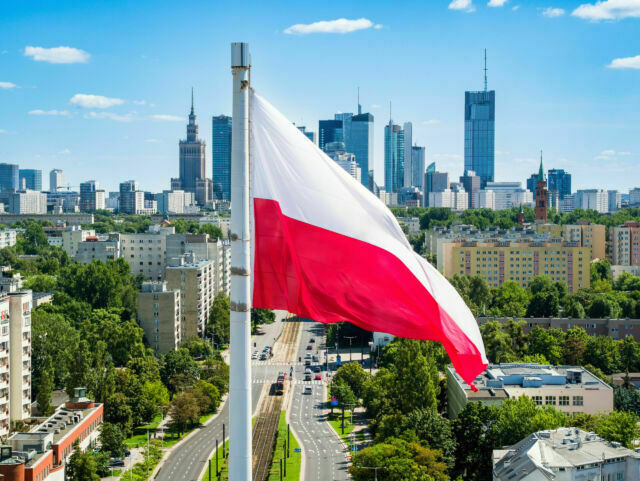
484	199
8	238
348	163
72	236
28	202
104	250
565	454
567	204
146	252
509	194
596	199
624	249
176	202
458	200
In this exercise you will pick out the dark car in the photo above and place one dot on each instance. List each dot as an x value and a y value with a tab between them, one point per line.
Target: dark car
315	358
317	369
117	462
309	347
307	362
312	340
307	377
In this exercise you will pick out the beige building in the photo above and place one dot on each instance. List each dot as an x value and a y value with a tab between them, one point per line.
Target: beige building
101	249
159	315
518	261
625	244
584	233
72	236
195	279
146	253
20	305
570	389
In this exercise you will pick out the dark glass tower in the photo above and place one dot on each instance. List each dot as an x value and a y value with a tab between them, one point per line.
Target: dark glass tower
9	177
221	157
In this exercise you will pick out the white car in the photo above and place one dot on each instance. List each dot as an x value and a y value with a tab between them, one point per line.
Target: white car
307	390
254	355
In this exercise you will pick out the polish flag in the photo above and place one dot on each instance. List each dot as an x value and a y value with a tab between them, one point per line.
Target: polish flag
327	249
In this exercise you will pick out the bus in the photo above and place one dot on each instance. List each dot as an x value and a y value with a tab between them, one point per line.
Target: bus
280	383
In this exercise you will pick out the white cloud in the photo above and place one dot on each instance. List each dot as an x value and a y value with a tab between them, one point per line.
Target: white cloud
431	122
340	25
111	116
65	152
140	102
553	12
515	7
608	152
167	118
608	10
497	3
625	62
465	5
4	52
89	101
57	54
64	113
153	141
378	26
7	85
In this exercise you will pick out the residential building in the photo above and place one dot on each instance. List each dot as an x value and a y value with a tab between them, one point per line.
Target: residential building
509	194
330	131
412	224
434	182
358	132
417	167
634	197
92	248
28	202
472	184
176	202
224	223
456	200
56	180
159	316
596	199
408	143
567	204
618	270
8	238
72	236
30	179
20	306
559	181
519	261
9	180
42	453
479	134
204	191
195	279
221	156
614	200
393	157
484	199
624	249
588	235
192	156
570	389
565	454
91	197
131	199
308	134
146	252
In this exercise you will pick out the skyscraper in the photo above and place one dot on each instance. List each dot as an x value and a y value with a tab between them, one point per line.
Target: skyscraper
358	131
56	180
192	151
330	131
91	198
471	183
32	178
560	181
393	157
408	143
434	182
221	157
479	132
9	177
131	198
417	166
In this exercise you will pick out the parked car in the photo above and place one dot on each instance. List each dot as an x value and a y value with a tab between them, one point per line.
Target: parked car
307	377
117	462
307	356
263	356
309	347
312	340
307	370
315	358
307	362
318	377
254	355
317	369
307	390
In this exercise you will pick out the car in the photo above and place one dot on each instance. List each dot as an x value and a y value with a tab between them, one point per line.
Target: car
307	370
117	462
307	356
263	356
318	377
127	452
307	390
315	358
307	377
312	340
309	347
254	355
307	362
317	369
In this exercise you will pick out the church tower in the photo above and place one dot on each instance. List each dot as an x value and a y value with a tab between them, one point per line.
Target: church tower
541	195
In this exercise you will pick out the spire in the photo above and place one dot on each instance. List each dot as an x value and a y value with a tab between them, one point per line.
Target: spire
192	101
390	119
359	106
541	176
485	69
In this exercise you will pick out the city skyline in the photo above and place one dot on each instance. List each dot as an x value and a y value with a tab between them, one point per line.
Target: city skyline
94	110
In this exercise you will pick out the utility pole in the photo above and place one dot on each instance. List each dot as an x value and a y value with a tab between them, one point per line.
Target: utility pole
288	441
375	470
351	338
217	471
240	360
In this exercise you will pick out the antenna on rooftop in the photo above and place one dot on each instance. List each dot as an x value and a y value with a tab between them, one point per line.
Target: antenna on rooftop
485	69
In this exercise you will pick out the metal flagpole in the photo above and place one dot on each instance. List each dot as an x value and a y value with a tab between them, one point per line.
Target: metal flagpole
240	367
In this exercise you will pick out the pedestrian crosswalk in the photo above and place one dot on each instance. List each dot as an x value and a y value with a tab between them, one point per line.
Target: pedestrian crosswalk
295	381
275	363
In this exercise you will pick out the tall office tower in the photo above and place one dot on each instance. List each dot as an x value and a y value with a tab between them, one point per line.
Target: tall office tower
541	195
358	132
393	157
91	198
221	157
32	178
9	180
330	131
560	181
615	200
532	182
472	184
131	198
192	162
56	180
479	131
308	134
417	167
434	182
408	143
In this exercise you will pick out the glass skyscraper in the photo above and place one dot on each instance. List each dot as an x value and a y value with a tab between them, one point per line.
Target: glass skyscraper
560	181
330	131
479	134
32	178
417	166
358	131
9	177
221	157
393	157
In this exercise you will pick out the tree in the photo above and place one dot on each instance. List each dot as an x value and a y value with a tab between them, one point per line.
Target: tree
575	346
603	353
548	342
544	304
376	394
261	316
197	347
574	310
45	388
117	411
511	299
111	439
184	411
619	426
219	318
474	432
217	373
175	363
207	396
341	391
629	354
498	344
626	399
79	367
353	375
82	466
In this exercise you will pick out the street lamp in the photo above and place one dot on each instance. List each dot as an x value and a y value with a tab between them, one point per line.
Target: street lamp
375	469
370	356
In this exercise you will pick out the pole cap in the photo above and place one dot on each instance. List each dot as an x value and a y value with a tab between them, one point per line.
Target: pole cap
240	56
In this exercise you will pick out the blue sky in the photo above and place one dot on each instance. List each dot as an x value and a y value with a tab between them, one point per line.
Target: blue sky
550	63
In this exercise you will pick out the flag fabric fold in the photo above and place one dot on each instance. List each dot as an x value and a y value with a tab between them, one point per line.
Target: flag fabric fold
327	249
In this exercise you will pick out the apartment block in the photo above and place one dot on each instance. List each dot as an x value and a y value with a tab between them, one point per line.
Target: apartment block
159	315
195	279
105	249
72	236
146	252
570	389
584	233
20	305
28	202
519	261
624	247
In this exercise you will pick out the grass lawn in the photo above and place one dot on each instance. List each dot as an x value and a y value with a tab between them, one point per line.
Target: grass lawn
295	459
222	465
335	420
140	433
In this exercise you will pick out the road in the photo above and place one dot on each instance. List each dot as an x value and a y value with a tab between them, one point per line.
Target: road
186	461
324	454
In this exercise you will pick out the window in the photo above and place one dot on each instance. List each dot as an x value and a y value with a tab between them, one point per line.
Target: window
564	400
551	400
537	400
578	401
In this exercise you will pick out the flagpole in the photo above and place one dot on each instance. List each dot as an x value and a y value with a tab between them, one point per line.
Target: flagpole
240	368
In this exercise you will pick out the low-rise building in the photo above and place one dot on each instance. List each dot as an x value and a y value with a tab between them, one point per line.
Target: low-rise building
412	223
570	389
565	454
8	238
159	315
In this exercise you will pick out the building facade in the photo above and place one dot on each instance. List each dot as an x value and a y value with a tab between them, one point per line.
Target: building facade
192	155
596	199
146	252
93	248
510	194
559	181
9	178
72	236
92	198
393	157
359	141
56	180
221	157
131	199
624	247
28	202
159	315
30	179
418	167
330	131
479	134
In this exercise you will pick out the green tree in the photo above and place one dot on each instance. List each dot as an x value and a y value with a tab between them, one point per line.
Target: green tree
207	396
184	411
415	377
81	466
548	342
619	426
219	319
79	367
353	375
626	399
45	388
260	317
474	432
498	344
575	346
197	347
603	353
178	362
112	440
117	411
629	354
341	390
511	299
